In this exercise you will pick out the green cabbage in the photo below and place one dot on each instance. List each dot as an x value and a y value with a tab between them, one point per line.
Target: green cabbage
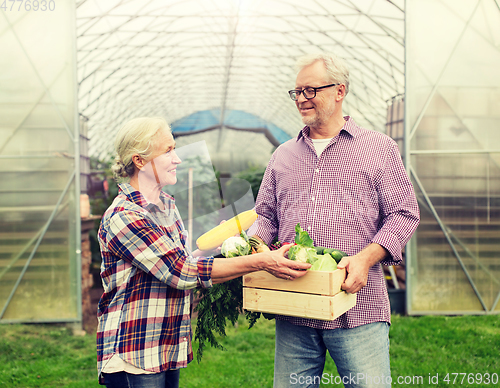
320	258
324	263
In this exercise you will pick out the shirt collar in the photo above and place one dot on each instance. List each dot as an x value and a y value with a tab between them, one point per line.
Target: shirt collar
136	197
349	127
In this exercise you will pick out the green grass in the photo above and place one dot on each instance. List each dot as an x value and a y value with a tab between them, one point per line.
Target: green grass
46	356
444	345
420	346
50	356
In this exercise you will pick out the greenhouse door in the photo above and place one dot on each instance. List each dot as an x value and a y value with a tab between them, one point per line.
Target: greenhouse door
39	169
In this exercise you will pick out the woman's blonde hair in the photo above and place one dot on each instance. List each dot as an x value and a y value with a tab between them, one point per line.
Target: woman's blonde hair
136	137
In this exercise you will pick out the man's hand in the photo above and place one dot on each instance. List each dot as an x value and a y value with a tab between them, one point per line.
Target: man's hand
358	266
357	273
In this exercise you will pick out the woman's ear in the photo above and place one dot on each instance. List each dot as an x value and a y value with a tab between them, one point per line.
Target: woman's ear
138	162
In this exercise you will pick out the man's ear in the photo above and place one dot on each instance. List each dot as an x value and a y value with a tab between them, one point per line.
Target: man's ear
340	93
138	162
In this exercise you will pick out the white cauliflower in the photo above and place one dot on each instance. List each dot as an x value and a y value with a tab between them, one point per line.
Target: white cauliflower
235	246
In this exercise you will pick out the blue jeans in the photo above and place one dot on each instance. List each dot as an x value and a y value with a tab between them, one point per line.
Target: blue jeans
361	355
168	379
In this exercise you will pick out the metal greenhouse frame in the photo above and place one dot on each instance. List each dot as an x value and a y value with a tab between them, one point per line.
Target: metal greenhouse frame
40	152
452	151
219	71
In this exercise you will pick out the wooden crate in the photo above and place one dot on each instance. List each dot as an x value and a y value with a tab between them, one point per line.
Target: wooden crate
315	295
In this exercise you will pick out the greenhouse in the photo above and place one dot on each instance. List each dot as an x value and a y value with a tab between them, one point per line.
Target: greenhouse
73	72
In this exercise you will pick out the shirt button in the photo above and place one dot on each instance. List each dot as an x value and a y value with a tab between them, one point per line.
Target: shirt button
308	228
312	198
317	170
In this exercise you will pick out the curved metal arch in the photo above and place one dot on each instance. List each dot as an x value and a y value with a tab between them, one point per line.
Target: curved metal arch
119	82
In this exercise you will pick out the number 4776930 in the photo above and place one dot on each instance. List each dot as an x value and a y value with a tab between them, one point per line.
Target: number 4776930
471	378
28	5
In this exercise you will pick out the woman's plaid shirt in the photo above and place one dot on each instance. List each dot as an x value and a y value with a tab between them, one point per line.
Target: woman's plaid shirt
147	272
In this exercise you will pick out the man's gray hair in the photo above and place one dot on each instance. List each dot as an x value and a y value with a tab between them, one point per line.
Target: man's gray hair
336	67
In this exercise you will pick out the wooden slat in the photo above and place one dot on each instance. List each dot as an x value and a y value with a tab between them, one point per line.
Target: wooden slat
27	209
480	234
36	262
298	304
313	282
462	221
473	247
487	261
41	248
30	235
38	275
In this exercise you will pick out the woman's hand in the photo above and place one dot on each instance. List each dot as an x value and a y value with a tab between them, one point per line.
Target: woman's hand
273	262
281	267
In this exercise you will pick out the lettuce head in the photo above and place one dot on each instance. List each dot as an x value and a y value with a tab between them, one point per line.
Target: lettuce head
324	263
321	259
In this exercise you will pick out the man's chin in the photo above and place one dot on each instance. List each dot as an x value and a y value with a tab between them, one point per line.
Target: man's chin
309	121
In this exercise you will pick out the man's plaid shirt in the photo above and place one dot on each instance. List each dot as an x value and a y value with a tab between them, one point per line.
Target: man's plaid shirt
147	272
355	193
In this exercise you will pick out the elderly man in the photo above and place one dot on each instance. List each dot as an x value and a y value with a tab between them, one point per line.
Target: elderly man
348	188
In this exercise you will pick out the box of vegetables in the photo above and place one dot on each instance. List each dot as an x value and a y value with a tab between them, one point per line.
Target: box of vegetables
316	295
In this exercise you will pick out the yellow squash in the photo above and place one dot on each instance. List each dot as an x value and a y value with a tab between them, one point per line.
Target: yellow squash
216	236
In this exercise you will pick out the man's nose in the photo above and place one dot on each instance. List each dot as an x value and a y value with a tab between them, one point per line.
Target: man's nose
301	98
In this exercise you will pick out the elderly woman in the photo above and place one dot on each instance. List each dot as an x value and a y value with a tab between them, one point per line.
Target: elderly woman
148	272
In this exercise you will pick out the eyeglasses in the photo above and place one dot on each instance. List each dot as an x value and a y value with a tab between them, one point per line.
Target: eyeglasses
309	93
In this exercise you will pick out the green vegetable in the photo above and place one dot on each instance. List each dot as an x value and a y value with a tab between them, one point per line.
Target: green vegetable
257	245
324	263
223	302
302	237
302	253
335	253
303	250
321	258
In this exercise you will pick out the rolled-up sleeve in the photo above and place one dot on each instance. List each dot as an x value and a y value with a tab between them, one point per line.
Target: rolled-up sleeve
399	208
204	271
266	226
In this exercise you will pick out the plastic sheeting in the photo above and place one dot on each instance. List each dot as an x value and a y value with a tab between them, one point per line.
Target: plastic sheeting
39	236
174	58
452	121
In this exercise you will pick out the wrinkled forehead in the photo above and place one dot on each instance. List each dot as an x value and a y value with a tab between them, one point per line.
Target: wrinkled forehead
312	75
164	139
